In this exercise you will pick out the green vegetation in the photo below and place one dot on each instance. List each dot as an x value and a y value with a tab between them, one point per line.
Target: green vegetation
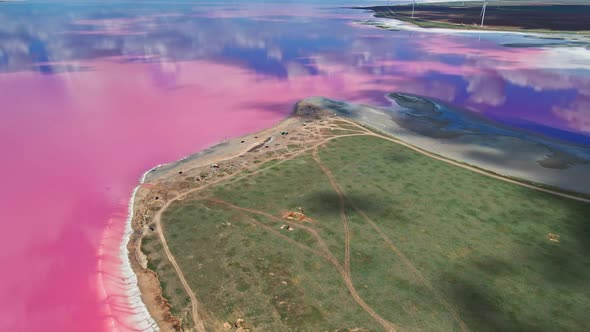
172	289
427	239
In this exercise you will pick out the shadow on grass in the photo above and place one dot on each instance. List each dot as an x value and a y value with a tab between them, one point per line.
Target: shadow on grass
483	311
582	230
556	272
327	203
397	157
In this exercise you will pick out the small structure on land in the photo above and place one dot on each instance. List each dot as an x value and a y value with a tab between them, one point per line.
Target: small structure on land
287	227
553	237
214	166
297	216
239	324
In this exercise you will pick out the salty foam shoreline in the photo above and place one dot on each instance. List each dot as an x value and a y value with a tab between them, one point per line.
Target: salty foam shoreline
139	318
144	319
224	150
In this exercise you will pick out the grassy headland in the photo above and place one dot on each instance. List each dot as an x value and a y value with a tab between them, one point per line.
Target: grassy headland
340	228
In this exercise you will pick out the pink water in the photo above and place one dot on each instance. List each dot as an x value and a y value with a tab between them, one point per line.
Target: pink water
75	143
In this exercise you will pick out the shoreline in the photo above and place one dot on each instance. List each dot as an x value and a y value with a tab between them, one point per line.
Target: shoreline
148	284
511	157
134	293
462	16
534	38
135	297
518	38
400	24
140	317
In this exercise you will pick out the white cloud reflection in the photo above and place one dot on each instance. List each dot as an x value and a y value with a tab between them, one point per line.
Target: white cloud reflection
287	44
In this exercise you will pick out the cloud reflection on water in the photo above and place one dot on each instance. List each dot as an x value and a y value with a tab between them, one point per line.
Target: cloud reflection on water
290	41
100	81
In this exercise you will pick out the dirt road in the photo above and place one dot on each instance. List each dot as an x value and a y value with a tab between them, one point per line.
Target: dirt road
343	270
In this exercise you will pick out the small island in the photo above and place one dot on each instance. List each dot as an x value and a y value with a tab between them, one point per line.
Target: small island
505	15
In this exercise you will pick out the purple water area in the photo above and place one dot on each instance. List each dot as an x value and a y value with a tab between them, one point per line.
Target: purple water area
93	95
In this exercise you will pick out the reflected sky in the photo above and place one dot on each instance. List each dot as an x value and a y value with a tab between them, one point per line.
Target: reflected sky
92	95
531	87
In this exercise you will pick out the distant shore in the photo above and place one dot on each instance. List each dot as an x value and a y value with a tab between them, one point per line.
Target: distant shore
567	16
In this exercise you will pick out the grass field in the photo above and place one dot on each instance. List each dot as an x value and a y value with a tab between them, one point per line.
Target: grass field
397	241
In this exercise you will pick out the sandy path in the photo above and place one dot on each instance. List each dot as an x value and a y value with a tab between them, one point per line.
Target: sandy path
346	270
471	168
409	264
342	209
199	326
345	275
270	229
342	197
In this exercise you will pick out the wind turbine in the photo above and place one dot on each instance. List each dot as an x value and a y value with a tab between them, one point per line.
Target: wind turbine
413	4
388	8
483	12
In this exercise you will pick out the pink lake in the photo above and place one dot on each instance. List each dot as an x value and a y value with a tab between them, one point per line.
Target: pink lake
91	100
76	145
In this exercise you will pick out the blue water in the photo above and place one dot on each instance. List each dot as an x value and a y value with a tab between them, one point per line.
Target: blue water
269	54
545	89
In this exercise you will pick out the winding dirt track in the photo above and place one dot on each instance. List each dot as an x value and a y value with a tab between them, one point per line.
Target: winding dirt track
344	271
342	197
389	326
270	229
199	326
471	168
341	202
